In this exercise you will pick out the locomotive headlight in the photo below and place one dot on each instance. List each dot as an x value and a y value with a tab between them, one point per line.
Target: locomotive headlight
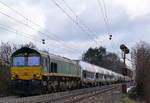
36	76
14	76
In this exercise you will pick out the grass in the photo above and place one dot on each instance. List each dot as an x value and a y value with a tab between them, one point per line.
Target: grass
126	100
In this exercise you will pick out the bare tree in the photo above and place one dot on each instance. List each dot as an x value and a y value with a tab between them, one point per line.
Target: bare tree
30	45
101	57
6	50
141	58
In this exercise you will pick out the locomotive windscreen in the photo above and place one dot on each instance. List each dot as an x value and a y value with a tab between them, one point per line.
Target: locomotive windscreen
18	61
26	61
26	57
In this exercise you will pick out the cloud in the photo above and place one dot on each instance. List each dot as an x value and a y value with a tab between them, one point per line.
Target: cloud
129	23
134	8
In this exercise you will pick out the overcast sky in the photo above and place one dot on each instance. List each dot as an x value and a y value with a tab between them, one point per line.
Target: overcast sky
128	23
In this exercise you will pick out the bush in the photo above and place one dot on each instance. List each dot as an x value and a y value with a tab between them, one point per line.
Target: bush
4	78
141	57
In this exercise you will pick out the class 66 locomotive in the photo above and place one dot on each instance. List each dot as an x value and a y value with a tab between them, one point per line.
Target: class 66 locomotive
35	72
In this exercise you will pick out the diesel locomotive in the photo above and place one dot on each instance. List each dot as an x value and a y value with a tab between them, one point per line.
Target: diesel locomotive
33	71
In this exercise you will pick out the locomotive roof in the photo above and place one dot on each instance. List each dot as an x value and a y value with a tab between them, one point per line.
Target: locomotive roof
57	57
25	50
60	58
43	54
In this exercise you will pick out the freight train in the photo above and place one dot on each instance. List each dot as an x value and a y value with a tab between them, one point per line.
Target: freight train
33	71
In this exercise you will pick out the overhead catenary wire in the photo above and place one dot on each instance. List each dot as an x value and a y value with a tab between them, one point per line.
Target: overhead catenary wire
102	6
23	16
29	36
37	25
106	15
79	21
105	18
75	22
108	19
44	34
38	41
55	37
27	18
82	23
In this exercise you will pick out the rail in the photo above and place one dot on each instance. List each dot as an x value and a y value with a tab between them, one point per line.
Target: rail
63	97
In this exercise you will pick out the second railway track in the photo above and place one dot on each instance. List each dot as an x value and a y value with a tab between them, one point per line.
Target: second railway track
64	97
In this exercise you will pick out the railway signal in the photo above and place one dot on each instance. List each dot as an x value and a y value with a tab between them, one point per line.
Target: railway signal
125	51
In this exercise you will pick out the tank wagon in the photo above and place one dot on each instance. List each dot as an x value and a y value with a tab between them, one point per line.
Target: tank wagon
33	71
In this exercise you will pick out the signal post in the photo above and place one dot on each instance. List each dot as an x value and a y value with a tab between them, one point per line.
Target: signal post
125	51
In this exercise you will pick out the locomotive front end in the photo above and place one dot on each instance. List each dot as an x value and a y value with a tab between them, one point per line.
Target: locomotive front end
25	71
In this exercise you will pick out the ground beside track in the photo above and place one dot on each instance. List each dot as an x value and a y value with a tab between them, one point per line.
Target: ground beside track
112	96
106	94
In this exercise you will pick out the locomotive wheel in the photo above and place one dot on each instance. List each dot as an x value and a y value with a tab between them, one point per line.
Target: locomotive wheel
49	88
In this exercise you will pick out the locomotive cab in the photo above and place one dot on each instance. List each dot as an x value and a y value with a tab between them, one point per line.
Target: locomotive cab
25	70
26	65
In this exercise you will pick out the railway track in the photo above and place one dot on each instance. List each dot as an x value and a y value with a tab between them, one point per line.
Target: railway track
63	97
8	98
